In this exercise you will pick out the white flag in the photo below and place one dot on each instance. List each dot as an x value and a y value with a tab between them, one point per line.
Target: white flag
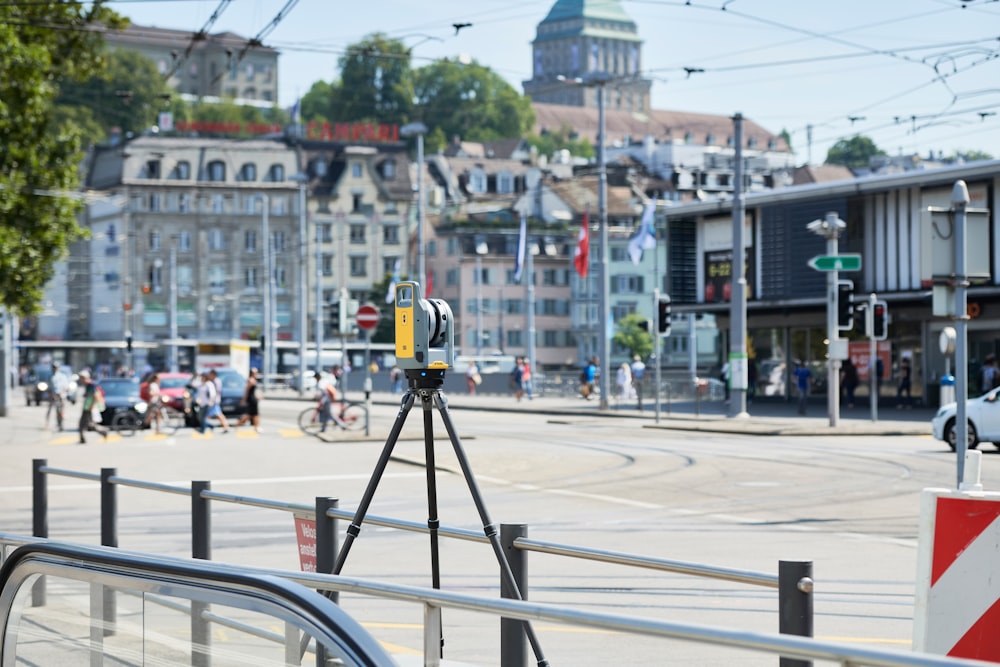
522	241
390	295
645	239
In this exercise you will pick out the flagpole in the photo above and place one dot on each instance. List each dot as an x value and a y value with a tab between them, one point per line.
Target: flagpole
654	324
529	270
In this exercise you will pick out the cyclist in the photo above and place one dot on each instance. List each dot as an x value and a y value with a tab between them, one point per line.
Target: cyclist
326	394
58	388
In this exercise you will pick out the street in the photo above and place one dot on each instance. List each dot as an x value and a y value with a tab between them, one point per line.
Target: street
849	504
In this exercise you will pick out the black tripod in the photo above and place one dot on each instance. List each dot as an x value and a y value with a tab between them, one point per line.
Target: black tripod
426	384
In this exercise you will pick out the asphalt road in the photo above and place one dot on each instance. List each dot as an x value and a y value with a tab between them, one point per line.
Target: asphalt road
849	504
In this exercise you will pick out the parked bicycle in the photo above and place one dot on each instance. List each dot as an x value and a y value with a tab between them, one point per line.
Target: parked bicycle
345	415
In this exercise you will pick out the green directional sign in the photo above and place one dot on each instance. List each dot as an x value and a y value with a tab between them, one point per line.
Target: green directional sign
836	262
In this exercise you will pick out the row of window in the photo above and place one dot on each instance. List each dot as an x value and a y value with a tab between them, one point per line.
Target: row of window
217	238
214	171
553	307
519	338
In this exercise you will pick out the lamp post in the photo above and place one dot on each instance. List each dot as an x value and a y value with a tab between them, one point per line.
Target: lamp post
172	350
301	179
600	80
267	329
419	130
830	228
481	249
738	371
318	331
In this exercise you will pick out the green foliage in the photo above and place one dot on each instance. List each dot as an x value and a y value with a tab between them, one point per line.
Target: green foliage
563	138
786	135
318	102
229	112
631	336
974	155
43	43
376	83
470	101
127	94
855	153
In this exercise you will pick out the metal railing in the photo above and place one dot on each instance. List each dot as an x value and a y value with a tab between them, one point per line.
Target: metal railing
793	581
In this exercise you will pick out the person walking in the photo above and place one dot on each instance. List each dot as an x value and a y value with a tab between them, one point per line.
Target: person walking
849	379
989	377
326	394
215	409
472	377
93	402
251	399
588	378
624	382
396	376
154	409
638	373
205	398
802	377
517	378
58	388
904	387
526	380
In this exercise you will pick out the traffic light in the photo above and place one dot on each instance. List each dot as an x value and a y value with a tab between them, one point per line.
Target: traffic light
263	342
333	321
845	305
663	315
880	326
128	343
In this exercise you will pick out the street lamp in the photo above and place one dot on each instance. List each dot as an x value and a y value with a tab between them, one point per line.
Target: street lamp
268	324
301	179
419	130
830	228
481	249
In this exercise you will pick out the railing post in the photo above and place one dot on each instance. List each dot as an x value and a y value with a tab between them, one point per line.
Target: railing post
326	550
795	604
201	547
513	641
39	520
109	538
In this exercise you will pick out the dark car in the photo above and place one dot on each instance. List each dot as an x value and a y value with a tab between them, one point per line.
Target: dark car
121	395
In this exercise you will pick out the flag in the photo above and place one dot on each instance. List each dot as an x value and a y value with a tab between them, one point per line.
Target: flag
390	295
522	241
646	236
430	284
296	111
581	257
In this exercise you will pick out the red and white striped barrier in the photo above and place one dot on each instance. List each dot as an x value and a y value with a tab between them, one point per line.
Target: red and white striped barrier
958	573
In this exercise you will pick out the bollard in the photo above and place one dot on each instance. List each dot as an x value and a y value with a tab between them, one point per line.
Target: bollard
39	520
201	547
326	539
109	538
795	604
513	641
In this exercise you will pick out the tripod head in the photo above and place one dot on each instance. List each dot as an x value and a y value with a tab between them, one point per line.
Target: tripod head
425	378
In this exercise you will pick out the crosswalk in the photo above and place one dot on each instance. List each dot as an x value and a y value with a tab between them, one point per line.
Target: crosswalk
184	434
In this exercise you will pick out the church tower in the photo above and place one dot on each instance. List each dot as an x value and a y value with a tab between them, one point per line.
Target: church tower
581	38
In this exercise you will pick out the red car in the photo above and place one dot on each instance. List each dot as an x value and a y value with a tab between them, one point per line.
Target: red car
176	390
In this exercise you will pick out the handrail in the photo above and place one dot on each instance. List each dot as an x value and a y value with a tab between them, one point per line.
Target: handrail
847	655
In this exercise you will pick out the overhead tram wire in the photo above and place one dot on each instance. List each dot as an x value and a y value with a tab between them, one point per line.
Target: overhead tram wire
199	36
258	39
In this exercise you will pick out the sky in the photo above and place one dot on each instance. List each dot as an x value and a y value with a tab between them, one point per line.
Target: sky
916	76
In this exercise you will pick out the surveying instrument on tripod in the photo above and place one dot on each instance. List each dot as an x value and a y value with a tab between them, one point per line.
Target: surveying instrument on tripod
425	343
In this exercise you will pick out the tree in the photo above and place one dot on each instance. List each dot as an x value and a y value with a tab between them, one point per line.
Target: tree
563	138
855	153
633	337
470	101
376	82
45	44
127	94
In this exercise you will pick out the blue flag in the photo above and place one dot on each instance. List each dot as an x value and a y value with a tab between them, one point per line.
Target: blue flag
646	237
522	241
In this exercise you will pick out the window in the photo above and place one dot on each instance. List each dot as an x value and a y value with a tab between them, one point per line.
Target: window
514	338
451	277
477	181
154	240
250	204
627	284
432	248
216	240
619	253
389	265
279	205
390	234
184	241
218	204
390	208
216	171
452	246
184	203
152	169
154	202
280	277
181	171
357	234
156	278
389	170
359	266
217	279
356	170
250	241
326	233
250	71
326	262
278	242
185	280
356	203
505	182
276	173
248	172
250	278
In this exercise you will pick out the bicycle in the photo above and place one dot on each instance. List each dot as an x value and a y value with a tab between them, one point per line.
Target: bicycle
126	422
171	419
349	417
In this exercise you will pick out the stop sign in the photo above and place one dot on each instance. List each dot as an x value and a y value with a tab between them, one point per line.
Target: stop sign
367	317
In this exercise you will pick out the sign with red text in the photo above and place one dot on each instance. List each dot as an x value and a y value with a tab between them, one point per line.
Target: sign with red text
305	537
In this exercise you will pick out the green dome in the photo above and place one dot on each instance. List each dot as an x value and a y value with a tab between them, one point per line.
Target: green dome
607	10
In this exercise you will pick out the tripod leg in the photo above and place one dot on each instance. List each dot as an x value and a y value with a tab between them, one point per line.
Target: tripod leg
488	526
433	523
366	499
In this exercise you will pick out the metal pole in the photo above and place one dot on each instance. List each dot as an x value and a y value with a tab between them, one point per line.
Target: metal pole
266	262
172	363
603	314
959	202
795	604
872	357
657	346
421	268
318	331
513	642
39	520
529	277
738	306
832	365
303	279
479	302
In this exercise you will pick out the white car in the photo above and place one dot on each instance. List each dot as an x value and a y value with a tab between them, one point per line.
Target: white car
983	415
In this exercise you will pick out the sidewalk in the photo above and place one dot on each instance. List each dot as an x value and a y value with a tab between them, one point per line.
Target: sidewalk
766	417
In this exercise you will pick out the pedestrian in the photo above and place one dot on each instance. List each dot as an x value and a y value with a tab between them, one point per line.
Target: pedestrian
93	405
205	398
802	377
326	394
990	374
849	380
215	410
904	387
588	378
517	378
58	389
154	403
751	379
396	378
472	377
251	400
526	380
879	373
638	373
724	379
624	382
